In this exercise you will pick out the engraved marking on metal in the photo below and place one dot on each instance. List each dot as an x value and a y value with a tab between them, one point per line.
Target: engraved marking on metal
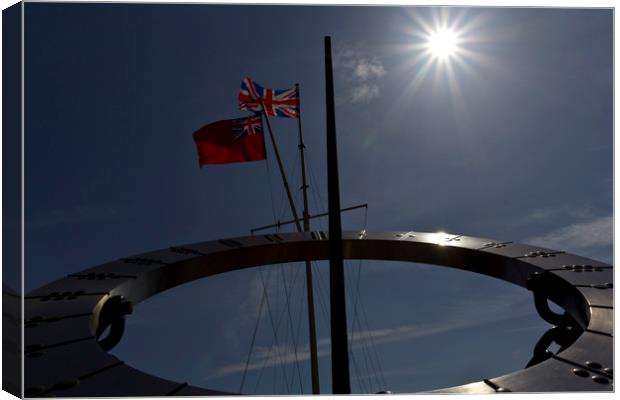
456	238
38	347
600	379
594	364
579	366
177	389
362	234
185	250
598	306
55	296
495	386
61	385
97	371
318	235
142	261
496	245
67	384
540	253
230	243
579	270
601	286
34	390
586	267
273	238
38	319
100	276
581	372
599	332
409	234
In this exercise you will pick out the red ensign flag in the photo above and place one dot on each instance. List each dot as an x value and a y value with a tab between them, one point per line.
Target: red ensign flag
230	141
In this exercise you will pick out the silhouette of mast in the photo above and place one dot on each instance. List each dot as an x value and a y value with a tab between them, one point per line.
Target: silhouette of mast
340	355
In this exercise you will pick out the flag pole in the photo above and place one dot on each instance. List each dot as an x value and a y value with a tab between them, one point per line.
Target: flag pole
340	354
286	187
314	362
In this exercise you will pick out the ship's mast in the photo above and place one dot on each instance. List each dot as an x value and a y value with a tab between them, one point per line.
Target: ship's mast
314	361
339	341
340	355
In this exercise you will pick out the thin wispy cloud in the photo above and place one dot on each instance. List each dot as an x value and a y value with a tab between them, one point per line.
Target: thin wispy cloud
578	236
361	72
507	307
563	211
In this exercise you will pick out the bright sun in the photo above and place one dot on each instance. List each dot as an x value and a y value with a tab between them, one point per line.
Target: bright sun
443	43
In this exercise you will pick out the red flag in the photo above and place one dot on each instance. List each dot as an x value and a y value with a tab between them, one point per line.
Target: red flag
230	141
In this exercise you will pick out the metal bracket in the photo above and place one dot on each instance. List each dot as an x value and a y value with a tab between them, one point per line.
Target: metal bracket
563	336
539	284
112	314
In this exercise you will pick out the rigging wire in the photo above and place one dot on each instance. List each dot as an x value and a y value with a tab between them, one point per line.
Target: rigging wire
277	329
353	297
247	361
264	296
365	318
299	319
290	321
275	333
323	294
273	210
374	347
359	381
286	295
372	365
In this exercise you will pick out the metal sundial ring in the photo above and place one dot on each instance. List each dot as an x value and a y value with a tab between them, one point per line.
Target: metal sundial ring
64	319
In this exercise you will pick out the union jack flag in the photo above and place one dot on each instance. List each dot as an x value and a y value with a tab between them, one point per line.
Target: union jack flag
276	102
243	127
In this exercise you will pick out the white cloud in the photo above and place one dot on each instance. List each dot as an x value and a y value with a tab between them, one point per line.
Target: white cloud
579	236
361	73
566	210
504	307
364	93
369	69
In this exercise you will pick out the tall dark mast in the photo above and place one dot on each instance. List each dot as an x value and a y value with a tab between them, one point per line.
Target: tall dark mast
340	355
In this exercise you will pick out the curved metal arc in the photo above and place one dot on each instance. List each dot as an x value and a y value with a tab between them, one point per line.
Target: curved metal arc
157	271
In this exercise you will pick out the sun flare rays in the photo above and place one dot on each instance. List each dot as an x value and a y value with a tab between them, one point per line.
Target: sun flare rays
440	42
442	47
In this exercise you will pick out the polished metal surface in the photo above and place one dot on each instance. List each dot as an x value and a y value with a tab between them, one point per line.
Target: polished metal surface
64	355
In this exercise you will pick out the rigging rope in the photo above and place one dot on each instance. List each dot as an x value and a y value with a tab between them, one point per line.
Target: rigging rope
290	321
273	210
275	333
265	299
360	332
277	329
373	365
247	361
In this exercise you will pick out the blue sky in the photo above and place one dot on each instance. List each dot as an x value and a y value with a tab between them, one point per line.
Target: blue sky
512	141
